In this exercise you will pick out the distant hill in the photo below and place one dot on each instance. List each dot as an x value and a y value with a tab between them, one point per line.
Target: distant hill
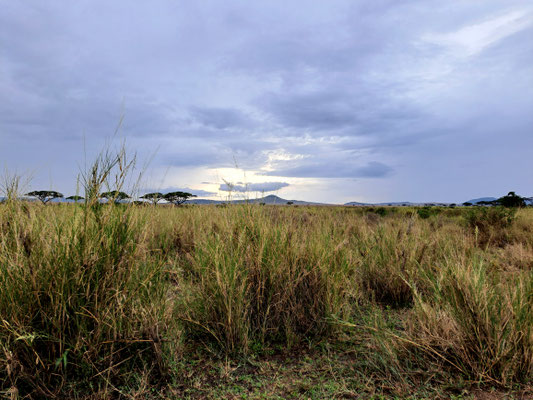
201	201
270	199
396	204
356	203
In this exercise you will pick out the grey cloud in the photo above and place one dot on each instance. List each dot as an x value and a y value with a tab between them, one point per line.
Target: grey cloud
198	152
210	91
340	112
339	169
316	111
199	192
373	169
220	118
254	187
194	153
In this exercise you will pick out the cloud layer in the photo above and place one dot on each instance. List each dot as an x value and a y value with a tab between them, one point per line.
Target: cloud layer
419	100
253	187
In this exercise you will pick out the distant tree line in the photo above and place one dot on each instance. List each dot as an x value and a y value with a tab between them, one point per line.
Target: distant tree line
116	196
510	200
176	198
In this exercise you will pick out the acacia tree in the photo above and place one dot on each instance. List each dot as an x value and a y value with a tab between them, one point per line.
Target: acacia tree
153	197
45	195
512	200
115	196
75	198
178	198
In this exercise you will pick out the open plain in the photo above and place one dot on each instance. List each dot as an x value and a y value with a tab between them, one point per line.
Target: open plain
252	301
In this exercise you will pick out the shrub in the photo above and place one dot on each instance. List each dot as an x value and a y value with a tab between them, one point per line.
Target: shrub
489	223
426	212
382	211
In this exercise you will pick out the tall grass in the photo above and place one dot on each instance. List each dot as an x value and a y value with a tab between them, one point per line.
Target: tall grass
251	280
92	295
477	323
78	303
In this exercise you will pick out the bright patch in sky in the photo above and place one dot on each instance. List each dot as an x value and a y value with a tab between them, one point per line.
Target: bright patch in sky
472	39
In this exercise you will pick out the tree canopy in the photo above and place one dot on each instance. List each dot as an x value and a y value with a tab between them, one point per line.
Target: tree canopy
115	195
153	197
511	200
45	195
75	198
178	198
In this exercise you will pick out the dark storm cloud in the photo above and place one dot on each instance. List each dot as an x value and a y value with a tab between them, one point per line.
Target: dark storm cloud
336	90
253	187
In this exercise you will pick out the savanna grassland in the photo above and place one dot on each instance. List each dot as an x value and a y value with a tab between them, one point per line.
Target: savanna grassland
250	301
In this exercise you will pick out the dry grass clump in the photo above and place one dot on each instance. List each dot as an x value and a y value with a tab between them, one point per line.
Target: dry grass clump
477	324
388	260
79	307
252	280
490	224
515	257
74	300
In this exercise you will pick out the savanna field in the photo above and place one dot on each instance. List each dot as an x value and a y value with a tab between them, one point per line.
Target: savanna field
251	301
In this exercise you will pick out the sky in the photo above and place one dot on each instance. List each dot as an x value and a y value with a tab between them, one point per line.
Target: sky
328	101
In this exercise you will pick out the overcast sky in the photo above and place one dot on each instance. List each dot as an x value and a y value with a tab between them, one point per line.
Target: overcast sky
336	101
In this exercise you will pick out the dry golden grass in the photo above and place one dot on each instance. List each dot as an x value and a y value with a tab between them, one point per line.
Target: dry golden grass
99	298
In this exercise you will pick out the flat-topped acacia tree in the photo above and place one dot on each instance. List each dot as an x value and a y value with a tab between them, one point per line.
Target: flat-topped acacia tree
512	200
115	196
75	198
153	197
178	198
45	195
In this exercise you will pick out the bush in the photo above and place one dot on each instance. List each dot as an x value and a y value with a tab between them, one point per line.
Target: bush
426	212
489	223
381	211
